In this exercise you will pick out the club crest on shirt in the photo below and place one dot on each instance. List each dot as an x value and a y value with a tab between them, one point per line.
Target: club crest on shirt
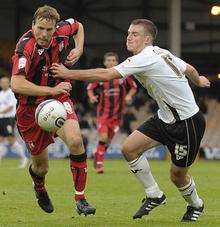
40	51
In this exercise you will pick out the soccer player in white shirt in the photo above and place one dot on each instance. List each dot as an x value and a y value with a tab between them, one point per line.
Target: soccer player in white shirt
7	123
178	123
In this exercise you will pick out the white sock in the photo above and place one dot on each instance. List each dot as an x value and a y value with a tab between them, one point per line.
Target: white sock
18	149
189	193
3	150
140	167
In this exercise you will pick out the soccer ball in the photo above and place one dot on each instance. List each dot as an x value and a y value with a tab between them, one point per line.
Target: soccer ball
50	115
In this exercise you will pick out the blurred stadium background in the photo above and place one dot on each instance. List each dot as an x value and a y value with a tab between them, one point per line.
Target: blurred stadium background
189	28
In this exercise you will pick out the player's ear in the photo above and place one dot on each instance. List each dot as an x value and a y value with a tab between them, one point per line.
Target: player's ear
33	23
148	39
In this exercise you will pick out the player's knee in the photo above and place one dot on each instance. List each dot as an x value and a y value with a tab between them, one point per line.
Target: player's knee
176	176
125	149
75	143
40	170
103	138
128	152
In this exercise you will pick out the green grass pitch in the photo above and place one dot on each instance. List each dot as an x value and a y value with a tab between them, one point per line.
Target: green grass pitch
116	194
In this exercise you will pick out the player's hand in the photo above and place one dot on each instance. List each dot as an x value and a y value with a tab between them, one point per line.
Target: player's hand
128	99
63	87
204	82
93	99
59	70
73	56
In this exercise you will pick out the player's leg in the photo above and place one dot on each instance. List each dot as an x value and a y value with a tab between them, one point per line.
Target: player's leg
38	170
71	135
106	133
102	128
3	147
187	188
37	141
133	149
18	149
189	134
100	150
3	134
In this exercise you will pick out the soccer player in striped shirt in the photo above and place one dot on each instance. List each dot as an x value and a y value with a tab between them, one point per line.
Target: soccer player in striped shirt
49	40
111	100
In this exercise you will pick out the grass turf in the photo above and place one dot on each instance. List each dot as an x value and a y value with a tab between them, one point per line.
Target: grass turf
116	194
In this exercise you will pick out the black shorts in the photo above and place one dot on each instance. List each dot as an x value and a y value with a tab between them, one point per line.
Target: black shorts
7	126
182	137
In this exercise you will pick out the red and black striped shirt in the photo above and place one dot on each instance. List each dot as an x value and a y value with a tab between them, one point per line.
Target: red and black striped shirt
112	95
34	61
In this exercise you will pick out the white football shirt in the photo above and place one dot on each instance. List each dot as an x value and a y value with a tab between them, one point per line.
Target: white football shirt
7	99
162	74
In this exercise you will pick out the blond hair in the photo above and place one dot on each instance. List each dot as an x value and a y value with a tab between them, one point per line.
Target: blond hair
46	12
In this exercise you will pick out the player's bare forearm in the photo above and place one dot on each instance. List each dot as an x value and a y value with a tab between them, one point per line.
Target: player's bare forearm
92	97
79	38
90	93
194	76
92	75
76	52
22	86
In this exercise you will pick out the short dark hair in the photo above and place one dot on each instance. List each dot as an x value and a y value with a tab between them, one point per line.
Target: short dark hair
148	25
46	12
109	54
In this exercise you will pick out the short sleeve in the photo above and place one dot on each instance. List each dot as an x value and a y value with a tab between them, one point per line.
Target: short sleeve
179	63
134	65
20	65
67	27
21	59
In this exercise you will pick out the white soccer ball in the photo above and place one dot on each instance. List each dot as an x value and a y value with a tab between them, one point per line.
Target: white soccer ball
50	115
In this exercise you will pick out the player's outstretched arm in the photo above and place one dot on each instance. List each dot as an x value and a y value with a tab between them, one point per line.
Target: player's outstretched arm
22	86
193	75
92	75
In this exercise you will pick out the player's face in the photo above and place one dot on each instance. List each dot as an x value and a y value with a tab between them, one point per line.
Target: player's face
110	62
4	83
137	39
43	30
